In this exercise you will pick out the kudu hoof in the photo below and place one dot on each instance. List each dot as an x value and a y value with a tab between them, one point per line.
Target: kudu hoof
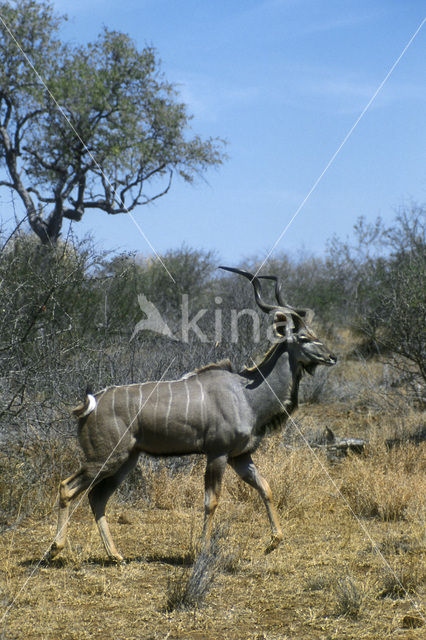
52	553
115	558
275	541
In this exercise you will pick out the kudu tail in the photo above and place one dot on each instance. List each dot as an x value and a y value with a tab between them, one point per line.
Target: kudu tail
85	407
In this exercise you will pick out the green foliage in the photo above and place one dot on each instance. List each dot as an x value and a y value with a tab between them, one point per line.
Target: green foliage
107	131
401	310
33	26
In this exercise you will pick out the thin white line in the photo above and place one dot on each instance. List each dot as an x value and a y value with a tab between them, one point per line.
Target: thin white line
202	398
170	389
345	139
60	109
128	402
187	402
362	526
84	493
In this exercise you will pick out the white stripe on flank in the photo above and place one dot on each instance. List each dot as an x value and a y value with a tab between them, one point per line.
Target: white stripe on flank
129	417
140	399
187	402
113	410
156	407
101	395
201	402
170	405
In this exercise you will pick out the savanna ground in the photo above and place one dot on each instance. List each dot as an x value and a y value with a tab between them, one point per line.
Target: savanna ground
351	564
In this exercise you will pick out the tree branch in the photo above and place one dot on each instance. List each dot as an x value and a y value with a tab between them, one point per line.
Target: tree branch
104	205
49	166
19	134
73	214
8	109
44	199
36	222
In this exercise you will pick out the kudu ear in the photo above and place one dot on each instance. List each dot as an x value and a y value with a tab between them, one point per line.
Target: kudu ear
307	316
283	324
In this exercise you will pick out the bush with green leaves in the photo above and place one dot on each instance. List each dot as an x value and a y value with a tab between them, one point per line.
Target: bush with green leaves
84	127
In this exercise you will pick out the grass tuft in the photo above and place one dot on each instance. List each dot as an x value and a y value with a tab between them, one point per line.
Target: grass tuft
401	582
348	597
317	582
188	590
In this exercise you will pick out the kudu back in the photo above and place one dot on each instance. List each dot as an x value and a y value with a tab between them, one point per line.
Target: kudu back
212	411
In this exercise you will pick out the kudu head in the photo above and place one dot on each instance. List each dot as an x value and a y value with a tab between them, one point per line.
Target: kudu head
291	325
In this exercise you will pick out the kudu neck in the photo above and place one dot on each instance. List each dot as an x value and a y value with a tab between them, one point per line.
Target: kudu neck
272	386
274	368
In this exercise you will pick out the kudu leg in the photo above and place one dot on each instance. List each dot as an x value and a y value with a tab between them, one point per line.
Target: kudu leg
98	498
246	469
212	484
69	489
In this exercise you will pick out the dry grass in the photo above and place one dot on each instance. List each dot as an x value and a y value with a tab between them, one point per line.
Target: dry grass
188	589
36	468
347	568
400	581
385	484
348	597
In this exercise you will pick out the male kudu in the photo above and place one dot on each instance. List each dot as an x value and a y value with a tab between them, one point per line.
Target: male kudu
212	411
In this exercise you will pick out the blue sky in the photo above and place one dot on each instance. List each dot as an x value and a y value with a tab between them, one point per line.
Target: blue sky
283	81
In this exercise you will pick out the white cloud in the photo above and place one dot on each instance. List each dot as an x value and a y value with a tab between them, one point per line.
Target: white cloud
208	97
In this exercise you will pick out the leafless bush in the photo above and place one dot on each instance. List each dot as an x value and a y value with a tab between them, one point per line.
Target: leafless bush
315	389
383	275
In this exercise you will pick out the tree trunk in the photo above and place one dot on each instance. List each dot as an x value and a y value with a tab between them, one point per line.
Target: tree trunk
47	231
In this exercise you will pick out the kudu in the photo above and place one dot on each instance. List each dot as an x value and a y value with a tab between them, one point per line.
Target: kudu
212	411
